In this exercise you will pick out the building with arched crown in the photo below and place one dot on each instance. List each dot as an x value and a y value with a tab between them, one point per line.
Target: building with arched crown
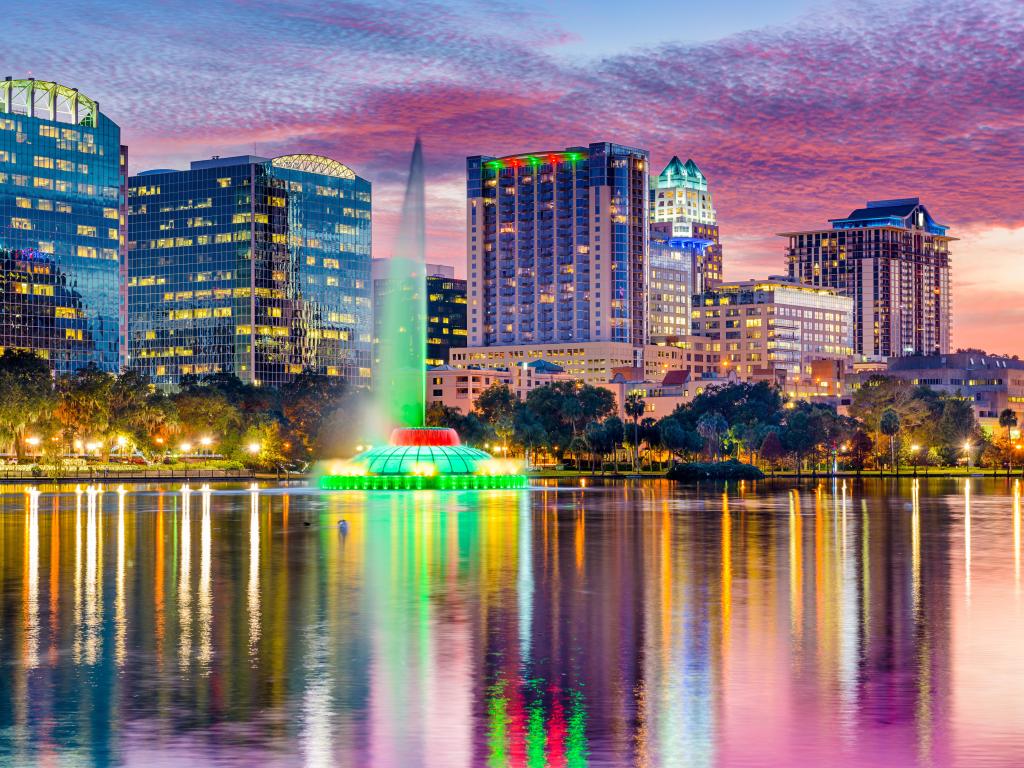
250	265
62	220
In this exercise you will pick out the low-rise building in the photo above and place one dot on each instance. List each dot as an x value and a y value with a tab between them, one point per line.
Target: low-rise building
662	396
991	382
590	362
460	387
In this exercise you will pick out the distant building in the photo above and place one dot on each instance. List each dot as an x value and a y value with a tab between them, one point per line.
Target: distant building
892	259
680	197
557	247
460	387
446	309
774	329
591	363
250	265
990	382
62	217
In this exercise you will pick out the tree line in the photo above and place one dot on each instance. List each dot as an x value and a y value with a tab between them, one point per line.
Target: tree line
890	423
95	413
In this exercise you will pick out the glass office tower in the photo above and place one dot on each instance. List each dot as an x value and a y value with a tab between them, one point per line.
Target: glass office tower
557	245
255	266
62	179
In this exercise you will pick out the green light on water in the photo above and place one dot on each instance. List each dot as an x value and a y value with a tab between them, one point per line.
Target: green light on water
536	738
576	740
421	482
497	728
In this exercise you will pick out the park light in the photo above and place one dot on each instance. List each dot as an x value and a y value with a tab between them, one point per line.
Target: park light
78	445
915	447
186	447
1017	447
92	446
254	448
33	441
122	441
158	440
967	446
205	442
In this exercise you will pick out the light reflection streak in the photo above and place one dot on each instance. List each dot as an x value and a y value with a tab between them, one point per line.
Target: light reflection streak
254	572
120	620
32	580
847	630
185	582
795	567
93	576
525	577
77	646
1016	538
967	541
205	652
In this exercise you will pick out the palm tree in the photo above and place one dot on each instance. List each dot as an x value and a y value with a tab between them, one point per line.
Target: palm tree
635	407
711	426
1007	420
889	424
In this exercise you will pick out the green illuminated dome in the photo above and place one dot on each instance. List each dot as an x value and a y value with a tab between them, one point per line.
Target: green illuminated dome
420	459
424	457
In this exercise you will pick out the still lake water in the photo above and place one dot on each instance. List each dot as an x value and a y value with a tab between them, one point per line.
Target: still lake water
864	624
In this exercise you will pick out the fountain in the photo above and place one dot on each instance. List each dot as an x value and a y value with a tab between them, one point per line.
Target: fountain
417	456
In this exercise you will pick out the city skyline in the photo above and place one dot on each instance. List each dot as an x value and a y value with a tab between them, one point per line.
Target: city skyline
932	114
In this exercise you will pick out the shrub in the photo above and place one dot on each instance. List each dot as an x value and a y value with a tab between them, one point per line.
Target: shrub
723	470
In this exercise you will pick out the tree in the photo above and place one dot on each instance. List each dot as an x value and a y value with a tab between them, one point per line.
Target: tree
678	441
1007	420
528	431
304	402
771	449
634	408
496	407
26	395
84	402
861	446
889	425
711	426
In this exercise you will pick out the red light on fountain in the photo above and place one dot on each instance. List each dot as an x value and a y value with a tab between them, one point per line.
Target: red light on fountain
425	436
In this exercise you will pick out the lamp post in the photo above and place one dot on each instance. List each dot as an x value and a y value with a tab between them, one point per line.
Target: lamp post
913	452
967	451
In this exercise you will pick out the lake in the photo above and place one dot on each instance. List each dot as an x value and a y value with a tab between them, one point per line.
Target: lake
856	623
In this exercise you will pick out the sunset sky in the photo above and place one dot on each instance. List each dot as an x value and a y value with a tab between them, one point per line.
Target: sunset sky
798	111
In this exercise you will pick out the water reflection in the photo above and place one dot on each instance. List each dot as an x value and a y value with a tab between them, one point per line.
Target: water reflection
622	625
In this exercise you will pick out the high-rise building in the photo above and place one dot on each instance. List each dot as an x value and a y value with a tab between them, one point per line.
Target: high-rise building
557	246
675	279
680	197
774	329
62	216
446	308
255	266
892	258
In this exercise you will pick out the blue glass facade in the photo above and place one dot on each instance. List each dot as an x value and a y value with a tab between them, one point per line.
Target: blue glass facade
62	181
557	245
259	267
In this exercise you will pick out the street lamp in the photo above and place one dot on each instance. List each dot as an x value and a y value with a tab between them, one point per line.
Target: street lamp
254	448
967	451
913	450
186	447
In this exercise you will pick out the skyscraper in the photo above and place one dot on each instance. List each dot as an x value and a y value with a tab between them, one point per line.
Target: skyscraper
557	246
250	265
62	180
892	258
680	197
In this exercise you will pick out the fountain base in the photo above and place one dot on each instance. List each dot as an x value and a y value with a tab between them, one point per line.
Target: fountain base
423	458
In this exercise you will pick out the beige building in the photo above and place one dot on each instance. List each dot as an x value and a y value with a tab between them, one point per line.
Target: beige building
592	362
460	387
775	329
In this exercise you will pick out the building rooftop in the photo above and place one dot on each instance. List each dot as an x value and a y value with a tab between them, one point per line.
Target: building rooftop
47	100
967	359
